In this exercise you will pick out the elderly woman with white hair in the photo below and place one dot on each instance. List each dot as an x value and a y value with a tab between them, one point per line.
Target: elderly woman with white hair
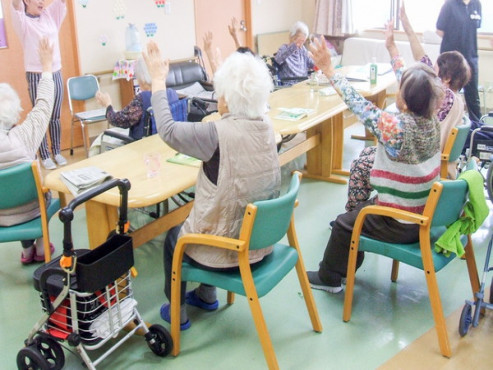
293	59
240	164
19	143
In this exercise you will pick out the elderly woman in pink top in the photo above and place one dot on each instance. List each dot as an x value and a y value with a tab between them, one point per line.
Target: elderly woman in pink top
32	21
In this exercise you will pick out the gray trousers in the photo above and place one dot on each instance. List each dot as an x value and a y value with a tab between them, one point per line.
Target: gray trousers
333	266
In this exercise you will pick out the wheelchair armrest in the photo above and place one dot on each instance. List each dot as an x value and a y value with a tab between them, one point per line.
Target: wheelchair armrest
208	86
117	135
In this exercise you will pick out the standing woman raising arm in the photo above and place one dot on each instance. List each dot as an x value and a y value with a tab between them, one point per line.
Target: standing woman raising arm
32	21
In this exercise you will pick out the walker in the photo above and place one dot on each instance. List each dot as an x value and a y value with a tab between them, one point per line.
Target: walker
87	297
467	318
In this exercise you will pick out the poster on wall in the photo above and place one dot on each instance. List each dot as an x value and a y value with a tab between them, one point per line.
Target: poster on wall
3	36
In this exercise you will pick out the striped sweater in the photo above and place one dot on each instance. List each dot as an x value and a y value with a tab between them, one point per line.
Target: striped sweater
407	161
404	181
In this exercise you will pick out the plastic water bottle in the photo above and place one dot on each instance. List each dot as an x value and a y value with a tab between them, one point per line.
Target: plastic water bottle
132	39
313	81
373	71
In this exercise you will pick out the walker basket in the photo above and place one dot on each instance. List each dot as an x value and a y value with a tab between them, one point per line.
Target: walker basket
105	263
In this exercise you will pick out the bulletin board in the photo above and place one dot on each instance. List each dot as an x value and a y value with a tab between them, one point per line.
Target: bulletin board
101	26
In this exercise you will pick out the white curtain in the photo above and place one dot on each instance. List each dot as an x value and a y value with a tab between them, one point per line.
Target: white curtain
333	18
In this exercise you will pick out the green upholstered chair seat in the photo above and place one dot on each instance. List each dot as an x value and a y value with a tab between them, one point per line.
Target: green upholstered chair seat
409	254
28	230
266	273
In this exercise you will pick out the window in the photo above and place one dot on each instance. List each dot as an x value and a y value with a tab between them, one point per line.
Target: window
423	14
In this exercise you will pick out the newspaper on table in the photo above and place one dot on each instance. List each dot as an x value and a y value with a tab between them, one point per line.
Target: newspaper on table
83	179
294	114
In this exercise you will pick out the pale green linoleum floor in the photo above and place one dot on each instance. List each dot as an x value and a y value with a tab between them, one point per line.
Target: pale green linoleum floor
386	316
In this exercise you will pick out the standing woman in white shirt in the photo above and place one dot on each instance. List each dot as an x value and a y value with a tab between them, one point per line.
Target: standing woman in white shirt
32	21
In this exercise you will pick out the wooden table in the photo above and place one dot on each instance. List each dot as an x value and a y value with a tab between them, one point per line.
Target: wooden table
128	162
323	145
324	128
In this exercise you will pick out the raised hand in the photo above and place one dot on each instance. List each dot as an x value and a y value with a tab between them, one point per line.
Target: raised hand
45	52
103	98
157	66
208	41
406	24
233	31
321	56
389	39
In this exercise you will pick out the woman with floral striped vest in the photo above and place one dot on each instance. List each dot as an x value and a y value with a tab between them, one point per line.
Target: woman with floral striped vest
407	161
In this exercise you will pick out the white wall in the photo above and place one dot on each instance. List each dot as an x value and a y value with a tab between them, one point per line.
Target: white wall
175	34
279	15
176	31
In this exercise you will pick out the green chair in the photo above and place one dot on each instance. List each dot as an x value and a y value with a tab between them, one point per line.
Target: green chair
443	207
453	147
21	185
265	223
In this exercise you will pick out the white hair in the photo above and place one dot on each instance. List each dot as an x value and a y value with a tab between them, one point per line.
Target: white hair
299	26
10	107
141	72
244	82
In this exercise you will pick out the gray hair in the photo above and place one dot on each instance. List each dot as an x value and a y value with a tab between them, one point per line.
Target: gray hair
244	82
299	27
141	72
10	107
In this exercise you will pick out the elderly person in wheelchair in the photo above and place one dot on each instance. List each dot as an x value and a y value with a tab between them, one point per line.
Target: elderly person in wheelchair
135	120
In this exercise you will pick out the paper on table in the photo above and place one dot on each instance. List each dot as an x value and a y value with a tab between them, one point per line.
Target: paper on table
83	179
362	74
181	158
101	112
294	114
327	91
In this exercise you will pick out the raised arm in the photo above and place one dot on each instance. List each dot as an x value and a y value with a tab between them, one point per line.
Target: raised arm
211	55
416	47
389	39
233	31
386	127
18	4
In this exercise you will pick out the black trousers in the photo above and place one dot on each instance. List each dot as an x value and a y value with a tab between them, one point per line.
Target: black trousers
471	94
333	266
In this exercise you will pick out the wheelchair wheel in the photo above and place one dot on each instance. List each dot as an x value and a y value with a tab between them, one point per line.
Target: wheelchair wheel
159	340
51	351
29	358
465	320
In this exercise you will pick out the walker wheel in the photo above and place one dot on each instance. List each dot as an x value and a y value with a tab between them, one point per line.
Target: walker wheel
465	320
29	358
159	340
51	350
491	285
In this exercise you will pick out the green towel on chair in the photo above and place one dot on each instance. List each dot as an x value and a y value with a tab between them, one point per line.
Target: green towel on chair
475	212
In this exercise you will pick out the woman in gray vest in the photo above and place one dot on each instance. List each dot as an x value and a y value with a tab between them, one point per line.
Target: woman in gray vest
240	164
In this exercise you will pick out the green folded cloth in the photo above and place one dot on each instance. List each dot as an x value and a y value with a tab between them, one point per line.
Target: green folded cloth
475	212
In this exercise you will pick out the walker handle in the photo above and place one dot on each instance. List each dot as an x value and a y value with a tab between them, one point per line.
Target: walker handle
67	213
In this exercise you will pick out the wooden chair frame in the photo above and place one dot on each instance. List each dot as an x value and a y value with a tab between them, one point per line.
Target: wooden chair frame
424	221
241	246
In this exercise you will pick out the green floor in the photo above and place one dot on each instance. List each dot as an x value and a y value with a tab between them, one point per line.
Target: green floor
386	316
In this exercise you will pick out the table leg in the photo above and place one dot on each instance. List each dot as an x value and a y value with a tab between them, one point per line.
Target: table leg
323	159
101	220
379	100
